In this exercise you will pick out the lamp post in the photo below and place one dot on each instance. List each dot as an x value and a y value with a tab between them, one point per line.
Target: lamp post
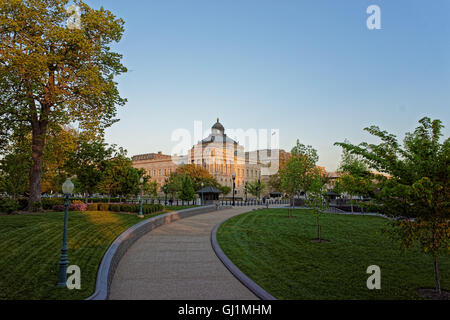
259	188
165	192
67	189
234	185
246	184
141	186
203	203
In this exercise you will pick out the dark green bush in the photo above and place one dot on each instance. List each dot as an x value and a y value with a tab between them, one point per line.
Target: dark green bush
8	205
23	203
36	206
114	207
49	203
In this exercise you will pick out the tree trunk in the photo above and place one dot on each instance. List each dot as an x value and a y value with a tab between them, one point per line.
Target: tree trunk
436	275
38	142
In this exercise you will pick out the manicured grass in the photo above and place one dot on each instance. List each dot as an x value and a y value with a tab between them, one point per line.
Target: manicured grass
277	253
30	249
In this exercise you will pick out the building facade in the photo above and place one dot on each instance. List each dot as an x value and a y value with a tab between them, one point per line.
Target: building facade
220	155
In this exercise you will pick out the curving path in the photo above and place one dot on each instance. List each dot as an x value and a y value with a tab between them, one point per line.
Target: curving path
177	262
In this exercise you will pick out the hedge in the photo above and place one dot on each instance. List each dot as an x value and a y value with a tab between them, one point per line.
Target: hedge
116	207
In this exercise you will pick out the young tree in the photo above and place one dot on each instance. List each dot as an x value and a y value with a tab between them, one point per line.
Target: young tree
255	188
414	186
197	175
295	175
355	179
55	75
187	192
316	199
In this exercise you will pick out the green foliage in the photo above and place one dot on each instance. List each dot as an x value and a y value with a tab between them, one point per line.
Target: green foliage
187	192
49	203
8	205
14	171
224	189
255	188
296	175
316	196
415	184
51	75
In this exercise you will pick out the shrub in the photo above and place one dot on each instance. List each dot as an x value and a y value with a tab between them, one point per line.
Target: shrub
8	205
23	203
36	206
114	207
103	207
72	207
49	203
92	207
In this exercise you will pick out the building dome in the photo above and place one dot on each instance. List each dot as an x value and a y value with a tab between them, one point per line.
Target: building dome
218	128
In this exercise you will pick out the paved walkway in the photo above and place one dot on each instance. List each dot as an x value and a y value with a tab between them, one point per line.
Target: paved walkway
177	262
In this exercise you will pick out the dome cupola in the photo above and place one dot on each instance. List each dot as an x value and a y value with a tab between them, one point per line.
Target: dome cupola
218	128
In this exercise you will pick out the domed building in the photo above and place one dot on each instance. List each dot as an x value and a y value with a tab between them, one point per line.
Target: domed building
219	154
222	156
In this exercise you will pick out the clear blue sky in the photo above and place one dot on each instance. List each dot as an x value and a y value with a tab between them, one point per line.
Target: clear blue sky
309	68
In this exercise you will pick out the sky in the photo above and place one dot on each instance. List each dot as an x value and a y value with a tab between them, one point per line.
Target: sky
311	69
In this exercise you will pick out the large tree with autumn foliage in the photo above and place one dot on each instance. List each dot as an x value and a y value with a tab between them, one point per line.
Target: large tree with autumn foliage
51	75
413	182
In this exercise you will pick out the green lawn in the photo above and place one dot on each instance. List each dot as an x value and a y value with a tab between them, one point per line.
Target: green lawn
277	253
177	208
30	248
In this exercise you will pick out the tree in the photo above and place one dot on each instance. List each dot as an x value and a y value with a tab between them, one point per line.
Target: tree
413	182
224	189
316	199
295	175
120	178
54	75
150	187
13	173
355	179
198	175
86	162
255	188
187	192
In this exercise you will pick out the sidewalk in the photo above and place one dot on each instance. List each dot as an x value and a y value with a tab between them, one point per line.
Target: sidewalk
177	262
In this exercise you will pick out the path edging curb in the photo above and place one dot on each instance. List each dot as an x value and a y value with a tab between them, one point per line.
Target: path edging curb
246	281
126	239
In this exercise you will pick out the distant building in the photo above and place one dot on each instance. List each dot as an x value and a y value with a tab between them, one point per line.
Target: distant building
221	156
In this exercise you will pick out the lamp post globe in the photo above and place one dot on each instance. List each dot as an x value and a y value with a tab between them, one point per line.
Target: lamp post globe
67	189
202	184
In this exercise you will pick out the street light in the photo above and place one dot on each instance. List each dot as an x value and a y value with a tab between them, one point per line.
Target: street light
246	186
259	188
202	184
165	192
234	185
67	189
141	185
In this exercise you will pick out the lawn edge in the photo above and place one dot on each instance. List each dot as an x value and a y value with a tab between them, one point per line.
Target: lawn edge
126	239
235	271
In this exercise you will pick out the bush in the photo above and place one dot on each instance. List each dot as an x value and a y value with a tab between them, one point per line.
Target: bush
103	207
9	205
49	203
72	207
37	206
92	207
114	207
23	203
